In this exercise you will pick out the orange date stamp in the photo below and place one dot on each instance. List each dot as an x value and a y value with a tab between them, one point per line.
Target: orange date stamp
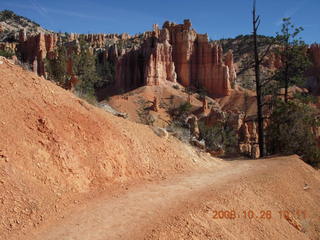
262	214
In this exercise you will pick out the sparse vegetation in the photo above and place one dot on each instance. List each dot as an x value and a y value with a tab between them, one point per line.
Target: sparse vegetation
144	113
14	23
176	87
221	136
84	67
180	113
6	53
292	131
6	15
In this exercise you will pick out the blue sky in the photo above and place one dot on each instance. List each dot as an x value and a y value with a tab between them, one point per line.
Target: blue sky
220	19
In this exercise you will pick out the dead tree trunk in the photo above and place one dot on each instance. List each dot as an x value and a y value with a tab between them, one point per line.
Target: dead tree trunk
256	23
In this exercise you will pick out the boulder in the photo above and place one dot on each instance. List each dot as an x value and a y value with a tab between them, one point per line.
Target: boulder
161	132
194	128
200	144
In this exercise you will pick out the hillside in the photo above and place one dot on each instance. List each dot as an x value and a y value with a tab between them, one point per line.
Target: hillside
241	46
11	24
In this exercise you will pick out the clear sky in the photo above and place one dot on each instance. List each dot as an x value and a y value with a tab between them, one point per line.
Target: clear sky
218	18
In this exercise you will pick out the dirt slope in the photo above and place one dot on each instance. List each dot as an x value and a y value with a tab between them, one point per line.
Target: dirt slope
139	100
57	150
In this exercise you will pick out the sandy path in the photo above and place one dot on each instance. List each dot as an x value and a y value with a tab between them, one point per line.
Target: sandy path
126	216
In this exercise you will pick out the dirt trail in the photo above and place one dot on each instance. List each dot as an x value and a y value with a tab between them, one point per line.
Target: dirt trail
126	216
182	207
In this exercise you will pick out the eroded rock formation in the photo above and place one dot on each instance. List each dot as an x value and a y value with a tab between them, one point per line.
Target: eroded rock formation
205	108
174	53
37	48
192	120
248	140
149	65
177	53
8	46
199	62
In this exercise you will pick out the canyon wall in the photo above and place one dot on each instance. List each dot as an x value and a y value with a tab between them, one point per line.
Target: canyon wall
150	64
174	53
177	53
200	62
36	48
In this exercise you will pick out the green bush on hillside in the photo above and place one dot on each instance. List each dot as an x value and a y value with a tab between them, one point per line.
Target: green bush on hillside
6	53
291	131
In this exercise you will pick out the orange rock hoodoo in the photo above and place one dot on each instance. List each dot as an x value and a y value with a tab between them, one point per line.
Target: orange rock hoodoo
148	65
35	49
174	53
177	53
199	62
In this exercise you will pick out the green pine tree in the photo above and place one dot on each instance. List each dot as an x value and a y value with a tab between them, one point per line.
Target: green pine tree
294	58
56	67
84	67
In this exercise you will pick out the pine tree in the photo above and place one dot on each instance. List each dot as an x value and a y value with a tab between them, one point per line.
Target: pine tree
293	121
56	67
84	67
294	58
292	130
105	70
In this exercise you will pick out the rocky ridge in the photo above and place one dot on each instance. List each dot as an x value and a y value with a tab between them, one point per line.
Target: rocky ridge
11	23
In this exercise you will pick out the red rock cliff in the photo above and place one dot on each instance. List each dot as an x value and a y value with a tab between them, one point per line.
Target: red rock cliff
199	62
177	52
35	49
174	53
149	65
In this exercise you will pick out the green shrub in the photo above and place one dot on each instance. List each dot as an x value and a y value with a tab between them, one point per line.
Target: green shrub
179	113
290	131
57	67
88	97
222	135
105	70
184	108
84	67
6	53
6	14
